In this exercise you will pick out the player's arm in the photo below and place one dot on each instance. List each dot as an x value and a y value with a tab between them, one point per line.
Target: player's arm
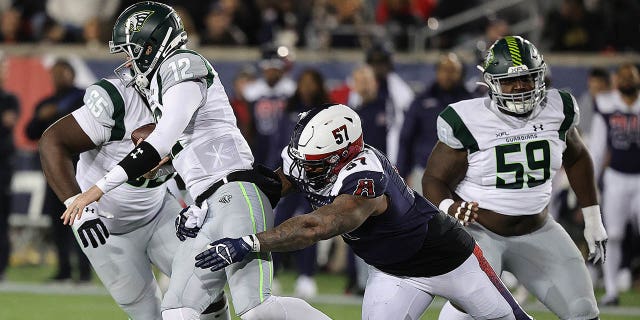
57	146
344	214
579	168
447	166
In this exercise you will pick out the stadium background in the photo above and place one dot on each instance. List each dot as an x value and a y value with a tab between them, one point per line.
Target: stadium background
26	294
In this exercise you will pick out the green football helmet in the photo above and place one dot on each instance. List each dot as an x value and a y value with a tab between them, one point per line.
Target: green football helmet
514	57
146	32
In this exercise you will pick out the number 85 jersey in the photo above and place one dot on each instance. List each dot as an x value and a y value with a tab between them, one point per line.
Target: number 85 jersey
511	160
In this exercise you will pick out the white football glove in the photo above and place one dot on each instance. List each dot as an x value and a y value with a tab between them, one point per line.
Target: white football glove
595	234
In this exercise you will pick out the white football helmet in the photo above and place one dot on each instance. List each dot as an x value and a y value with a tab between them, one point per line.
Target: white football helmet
324	140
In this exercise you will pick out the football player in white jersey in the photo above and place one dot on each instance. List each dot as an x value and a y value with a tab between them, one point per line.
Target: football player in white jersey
197	127
492	169
133	226
413	250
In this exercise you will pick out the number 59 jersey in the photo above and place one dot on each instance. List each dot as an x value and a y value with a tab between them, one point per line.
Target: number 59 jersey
511	160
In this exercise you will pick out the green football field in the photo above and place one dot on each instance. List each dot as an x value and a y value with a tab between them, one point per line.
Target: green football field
26	295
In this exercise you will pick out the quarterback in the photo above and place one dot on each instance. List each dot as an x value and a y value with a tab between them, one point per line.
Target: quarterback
492	169
197	127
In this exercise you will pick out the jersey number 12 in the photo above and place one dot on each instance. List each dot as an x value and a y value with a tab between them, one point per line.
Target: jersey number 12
518	169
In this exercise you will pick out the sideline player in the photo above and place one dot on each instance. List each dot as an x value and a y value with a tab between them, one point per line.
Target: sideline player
503	151
616	133
414	251
191	108
133	226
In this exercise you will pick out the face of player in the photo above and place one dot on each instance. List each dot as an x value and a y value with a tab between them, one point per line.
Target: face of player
628	80
520	84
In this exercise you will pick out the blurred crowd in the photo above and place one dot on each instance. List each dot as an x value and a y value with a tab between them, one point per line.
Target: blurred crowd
567	25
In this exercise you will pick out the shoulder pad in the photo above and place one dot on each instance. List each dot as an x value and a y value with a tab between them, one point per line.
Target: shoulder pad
103	96
184	65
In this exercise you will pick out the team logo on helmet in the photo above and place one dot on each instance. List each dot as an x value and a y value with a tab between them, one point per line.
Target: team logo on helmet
136	21
489	59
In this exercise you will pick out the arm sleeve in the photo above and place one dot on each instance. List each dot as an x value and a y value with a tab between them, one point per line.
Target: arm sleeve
180	103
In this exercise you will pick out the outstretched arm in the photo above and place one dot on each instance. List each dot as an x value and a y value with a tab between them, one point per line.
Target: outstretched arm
58	144
344	214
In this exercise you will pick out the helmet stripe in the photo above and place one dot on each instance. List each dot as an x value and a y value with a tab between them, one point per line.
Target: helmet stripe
514	50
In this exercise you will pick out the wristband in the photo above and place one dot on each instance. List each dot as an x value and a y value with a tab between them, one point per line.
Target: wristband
253	241
112	179
591	214
70	200
445	205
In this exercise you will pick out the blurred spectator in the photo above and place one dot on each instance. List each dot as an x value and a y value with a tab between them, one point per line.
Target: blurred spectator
450	38
394	91
419	134
189	25
615	148
12	29
267	99
622	24
219	27
69	19
573	28
338	24
284	21
370	106
310	92
494	30
9	108
598	81
239	103
400	17
65	99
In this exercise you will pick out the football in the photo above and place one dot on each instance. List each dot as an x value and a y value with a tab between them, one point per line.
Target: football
142	132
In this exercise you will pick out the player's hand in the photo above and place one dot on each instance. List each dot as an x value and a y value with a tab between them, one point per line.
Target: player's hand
223	252
90	227
182	231
75	209
465	212
595	234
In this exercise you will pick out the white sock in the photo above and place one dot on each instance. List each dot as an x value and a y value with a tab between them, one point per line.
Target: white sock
283	308
611	265
449	312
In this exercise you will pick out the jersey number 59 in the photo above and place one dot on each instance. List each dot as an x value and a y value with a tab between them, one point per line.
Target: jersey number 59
538	158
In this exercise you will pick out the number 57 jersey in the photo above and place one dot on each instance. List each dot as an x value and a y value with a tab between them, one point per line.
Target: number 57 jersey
511	160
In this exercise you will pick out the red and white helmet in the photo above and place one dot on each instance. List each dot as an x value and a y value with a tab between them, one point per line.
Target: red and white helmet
324	140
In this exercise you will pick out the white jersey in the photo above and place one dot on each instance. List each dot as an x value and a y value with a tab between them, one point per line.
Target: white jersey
109	115
211	146
511	160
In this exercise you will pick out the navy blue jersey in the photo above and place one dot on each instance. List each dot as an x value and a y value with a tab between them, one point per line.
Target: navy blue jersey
411	238
620	124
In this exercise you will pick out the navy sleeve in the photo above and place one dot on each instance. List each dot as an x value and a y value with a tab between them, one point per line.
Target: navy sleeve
369	184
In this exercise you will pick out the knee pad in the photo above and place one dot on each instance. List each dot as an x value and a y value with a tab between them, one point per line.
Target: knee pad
140	305
180	314
583	308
